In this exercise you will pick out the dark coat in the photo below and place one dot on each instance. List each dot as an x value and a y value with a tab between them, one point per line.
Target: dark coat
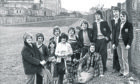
53	39
105	29
90	35
76	45
114	28
45	52
31	61
127	34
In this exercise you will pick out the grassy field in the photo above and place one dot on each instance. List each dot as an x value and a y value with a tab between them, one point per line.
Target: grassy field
11	44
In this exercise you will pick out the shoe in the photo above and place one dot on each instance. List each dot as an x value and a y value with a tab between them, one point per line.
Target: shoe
126	76
105	69
120	74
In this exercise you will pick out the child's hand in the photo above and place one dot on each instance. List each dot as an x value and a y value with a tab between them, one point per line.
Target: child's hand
113	46
43	62
106	38
101	75
128	47
54	60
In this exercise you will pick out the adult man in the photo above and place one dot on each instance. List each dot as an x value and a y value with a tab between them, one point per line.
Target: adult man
123	41
115	22
102	33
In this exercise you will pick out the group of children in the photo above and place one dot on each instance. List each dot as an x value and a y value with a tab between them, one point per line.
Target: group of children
82	44
49	62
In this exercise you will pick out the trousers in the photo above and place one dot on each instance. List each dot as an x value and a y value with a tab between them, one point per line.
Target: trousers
101	48
116	64
123	58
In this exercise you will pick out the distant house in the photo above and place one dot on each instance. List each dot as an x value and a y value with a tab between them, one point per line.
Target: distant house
45	12
64	10
19	11
30	7
3	11
19	3
16	7
54	5
40	12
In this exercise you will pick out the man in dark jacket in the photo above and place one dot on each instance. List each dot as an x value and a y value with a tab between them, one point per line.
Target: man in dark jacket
86	37
102	34
31	62
115	23
123	41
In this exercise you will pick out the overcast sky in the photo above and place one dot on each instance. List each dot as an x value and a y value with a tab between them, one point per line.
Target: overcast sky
85	5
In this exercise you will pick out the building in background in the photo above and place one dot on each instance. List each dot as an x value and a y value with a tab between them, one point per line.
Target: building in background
54	5
30	7
93	10
18	3
64	10
122	6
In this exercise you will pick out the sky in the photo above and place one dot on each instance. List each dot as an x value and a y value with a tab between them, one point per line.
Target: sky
85	5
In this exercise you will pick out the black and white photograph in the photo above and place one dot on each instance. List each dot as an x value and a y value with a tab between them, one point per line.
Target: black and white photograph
69	41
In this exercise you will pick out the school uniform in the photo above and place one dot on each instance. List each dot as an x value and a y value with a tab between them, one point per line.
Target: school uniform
124	37
102	30
115	22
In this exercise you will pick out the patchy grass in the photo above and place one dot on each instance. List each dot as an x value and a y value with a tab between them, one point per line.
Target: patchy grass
11	44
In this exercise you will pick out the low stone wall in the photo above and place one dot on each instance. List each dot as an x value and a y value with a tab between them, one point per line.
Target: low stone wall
37	19
22	19
12	20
